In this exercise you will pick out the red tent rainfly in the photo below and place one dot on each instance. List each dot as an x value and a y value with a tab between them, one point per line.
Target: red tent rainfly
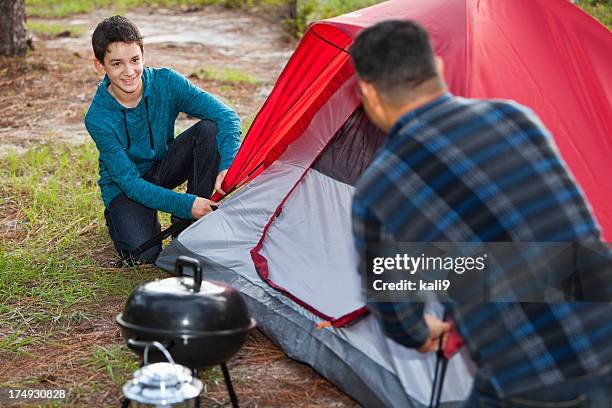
548	55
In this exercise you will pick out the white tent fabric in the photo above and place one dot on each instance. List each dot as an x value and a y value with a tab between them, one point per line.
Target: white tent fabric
310	253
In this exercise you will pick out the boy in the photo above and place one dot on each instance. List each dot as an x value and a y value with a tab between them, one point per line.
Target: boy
131	120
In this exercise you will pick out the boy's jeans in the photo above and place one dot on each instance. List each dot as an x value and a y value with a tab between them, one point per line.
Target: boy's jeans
191	157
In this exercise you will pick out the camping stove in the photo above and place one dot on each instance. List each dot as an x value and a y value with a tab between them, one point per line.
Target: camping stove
162	384
167	384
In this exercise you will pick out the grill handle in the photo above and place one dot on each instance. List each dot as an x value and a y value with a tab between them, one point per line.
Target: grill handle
146	345
192	263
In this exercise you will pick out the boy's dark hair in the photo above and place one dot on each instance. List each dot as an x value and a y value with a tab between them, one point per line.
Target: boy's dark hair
114	29
395	56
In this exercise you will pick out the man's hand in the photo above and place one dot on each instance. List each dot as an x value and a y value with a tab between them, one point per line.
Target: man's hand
437	328
201	207
219	181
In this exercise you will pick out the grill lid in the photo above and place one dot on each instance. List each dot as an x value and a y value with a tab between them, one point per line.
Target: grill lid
185	305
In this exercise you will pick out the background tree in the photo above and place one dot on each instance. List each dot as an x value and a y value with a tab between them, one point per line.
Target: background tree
13	40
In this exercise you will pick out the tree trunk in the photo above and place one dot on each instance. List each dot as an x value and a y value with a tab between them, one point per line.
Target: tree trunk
12	27
293	9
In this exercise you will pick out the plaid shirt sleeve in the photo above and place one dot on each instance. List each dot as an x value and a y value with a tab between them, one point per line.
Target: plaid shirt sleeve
403	322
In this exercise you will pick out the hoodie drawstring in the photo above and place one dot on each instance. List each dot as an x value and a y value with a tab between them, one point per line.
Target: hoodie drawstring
129	142
149	123
126	129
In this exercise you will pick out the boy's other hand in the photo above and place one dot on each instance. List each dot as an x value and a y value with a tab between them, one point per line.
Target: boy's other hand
219	181
201	207
437	328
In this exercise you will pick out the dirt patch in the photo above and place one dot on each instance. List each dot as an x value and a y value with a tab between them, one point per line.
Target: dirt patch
187	40
44	97
11	228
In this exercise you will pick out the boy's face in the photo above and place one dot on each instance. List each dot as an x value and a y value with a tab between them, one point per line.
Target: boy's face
123	63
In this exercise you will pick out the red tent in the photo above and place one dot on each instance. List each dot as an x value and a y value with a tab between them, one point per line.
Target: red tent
285	239
546	54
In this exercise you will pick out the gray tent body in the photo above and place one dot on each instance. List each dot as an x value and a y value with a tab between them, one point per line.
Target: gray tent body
299	208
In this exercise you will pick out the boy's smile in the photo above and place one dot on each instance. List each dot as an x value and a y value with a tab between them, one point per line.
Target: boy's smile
123	63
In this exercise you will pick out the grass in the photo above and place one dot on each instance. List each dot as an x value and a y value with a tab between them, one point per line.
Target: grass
63	8
15	342
67	207
226	75
48	271
52	30
51	276
117	362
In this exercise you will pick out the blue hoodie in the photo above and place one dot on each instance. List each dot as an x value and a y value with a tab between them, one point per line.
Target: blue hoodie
130	140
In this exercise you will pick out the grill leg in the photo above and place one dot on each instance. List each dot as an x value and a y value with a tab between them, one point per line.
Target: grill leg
230	387
196	374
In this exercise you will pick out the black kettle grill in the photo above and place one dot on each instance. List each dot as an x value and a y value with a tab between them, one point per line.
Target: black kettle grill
201	323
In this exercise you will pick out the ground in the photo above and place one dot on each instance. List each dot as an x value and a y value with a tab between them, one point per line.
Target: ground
59	288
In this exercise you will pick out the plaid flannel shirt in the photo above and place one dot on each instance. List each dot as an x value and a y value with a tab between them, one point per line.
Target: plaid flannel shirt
466	170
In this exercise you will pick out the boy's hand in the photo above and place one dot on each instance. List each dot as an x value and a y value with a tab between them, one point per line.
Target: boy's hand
219	181
201	207
437	328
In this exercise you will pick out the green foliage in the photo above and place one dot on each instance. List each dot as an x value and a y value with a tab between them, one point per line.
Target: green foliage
62	8
600	9
308	11
56	8
54	29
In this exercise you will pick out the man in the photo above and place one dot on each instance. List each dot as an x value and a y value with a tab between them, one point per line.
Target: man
465	170
131	120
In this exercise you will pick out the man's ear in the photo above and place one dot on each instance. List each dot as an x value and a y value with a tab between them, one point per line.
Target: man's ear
370	94
99	67
374	105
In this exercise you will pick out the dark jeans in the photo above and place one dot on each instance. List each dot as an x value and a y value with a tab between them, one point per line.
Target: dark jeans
592	391
191	157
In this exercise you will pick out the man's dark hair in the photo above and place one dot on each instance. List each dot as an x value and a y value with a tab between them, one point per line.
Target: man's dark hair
395	56
114	29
